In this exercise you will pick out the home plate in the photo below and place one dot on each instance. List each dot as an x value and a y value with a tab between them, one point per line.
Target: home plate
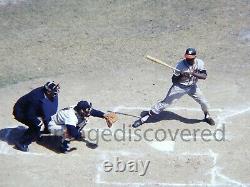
164	146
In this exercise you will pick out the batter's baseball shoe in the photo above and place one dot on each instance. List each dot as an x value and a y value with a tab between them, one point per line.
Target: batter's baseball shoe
210	121
137	123
21	147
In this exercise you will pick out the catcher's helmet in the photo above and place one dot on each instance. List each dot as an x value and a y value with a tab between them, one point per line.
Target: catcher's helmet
190	53
83	105
52	87
83	108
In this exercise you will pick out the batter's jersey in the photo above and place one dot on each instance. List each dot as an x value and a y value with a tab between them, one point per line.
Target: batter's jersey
184	66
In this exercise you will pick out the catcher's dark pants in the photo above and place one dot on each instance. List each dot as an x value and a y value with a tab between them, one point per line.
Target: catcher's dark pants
33	131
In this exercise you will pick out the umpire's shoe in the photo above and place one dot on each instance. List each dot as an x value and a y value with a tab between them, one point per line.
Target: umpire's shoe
137	123
21	147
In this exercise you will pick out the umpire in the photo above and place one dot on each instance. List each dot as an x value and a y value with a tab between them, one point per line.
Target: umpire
35	109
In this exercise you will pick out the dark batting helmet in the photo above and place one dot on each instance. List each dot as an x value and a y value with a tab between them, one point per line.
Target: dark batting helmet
190	53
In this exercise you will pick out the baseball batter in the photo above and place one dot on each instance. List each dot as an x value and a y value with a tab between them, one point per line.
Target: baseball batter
68	122
184	82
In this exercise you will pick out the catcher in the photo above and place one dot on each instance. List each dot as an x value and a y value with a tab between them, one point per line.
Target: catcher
69	122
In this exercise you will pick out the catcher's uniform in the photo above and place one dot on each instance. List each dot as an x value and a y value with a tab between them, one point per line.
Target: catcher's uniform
68	116
184	85
68	122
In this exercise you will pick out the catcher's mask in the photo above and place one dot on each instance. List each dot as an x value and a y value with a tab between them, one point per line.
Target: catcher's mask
83	108
52	88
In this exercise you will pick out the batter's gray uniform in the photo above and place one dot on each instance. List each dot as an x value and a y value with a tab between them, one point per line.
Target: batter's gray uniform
184	86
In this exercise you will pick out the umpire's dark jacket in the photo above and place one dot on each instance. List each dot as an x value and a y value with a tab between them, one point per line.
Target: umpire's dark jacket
33	105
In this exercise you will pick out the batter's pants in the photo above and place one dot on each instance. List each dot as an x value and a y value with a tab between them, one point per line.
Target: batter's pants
176	92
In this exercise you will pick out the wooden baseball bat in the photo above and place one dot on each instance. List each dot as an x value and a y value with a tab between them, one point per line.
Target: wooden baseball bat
160	62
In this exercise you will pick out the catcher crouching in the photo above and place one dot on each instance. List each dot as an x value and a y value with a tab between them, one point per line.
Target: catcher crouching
68	122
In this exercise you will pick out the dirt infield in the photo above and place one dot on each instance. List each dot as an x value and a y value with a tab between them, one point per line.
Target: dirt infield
96	50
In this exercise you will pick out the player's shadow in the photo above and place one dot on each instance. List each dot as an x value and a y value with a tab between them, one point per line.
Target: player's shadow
88	144
53	143
50	142
167	115
12	135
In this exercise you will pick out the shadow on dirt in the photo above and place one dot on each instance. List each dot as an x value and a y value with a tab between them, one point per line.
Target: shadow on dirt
90	145
50	142
13	135
167	115
53	143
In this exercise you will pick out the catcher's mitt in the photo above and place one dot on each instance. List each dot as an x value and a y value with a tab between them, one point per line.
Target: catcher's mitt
110	118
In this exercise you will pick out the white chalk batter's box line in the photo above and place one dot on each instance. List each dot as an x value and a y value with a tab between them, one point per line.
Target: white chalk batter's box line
228	112
215	171
220	120
215	174
4	147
